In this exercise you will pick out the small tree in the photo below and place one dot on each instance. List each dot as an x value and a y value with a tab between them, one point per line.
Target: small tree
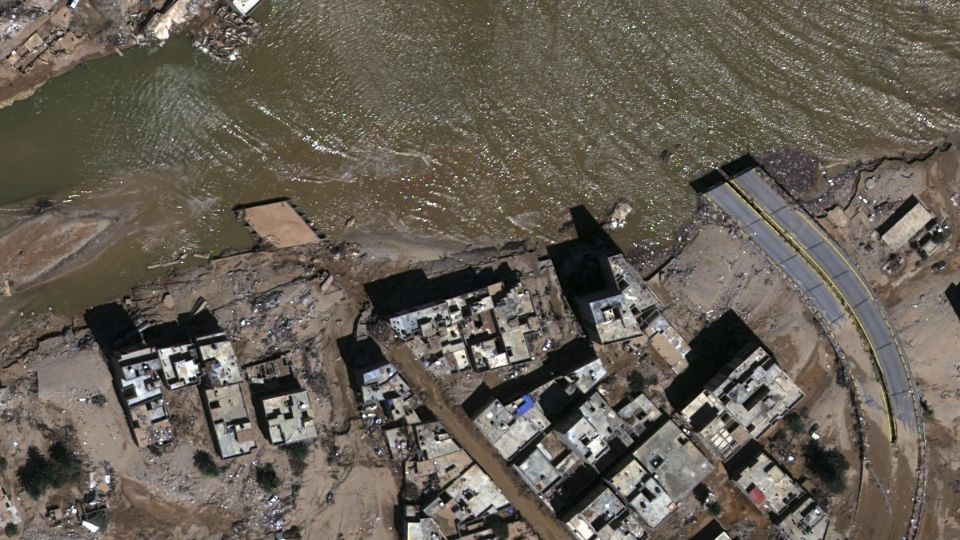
498	526
924	404
827	464
11	530
715	508
298	453
203	461
638	383
795	422
3	464
267	477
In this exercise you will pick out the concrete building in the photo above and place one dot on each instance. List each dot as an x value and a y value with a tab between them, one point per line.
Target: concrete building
669	344
511	427
595	432
804	520
488	328
138	382
433	441
549	466
470	497
641	490
623	309
221	365
600	515
556	396
288	417
421	529
674	461
230	424
766	484
181	367
908	220
750	394
384	391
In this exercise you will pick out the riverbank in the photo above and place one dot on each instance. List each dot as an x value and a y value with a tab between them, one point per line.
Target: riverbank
283	300
44	39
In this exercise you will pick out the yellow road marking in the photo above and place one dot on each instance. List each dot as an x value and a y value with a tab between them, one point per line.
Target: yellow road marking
836	292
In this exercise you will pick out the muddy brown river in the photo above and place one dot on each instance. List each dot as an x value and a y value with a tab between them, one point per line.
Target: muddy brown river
477	120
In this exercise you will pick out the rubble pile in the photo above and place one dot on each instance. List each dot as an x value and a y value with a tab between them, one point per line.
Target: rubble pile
225	33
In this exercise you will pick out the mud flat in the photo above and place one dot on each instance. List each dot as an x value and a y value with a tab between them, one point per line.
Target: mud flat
39	247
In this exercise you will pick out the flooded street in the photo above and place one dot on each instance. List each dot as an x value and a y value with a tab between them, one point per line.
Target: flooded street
476	120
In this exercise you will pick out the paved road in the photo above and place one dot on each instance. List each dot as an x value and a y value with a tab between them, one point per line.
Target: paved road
780	251
852	286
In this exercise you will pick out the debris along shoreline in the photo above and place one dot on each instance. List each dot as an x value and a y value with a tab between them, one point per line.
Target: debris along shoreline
311	310
45	39
225	34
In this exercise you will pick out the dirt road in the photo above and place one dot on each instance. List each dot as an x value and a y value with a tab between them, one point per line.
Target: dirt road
466	435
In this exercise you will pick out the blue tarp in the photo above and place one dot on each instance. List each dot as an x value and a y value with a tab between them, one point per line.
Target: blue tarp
527	404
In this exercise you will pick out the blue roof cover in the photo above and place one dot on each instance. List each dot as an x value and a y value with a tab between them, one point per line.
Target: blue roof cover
527	404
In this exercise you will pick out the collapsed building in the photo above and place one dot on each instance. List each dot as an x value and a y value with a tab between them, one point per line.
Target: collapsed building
750	394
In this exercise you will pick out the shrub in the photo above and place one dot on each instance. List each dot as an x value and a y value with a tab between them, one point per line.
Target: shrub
638	383
827	464
924	404
267	477
498	526
3	464
40	473
794	422
298	453
203	461
11	530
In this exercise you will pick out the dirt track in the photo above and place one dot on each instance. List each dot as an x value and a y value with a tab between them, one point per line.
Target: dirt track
463	431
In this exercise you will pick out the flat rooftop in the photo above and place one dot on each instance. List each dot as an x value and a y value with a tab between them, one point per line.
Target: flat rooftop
674	461
280	224
232	428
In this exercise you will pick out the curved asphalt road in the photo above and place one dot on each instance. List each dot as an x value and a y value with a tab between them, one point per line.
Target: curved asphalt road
848	282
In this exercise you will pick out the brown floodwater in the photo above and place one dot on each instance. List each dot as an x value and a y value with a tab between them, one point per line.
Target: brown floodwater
477	120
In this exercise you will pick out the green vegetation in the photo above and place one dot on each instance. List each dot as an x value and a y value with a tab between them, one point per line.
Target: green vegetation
298	453
3	464
924	404
498	526
267	478
638	383
203	461
40	473
714	508
11	530
827	464
795	422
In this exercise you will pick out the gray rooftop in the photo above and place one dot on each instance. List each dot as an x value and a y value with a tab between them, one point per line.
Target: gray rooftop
232	428
674	461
